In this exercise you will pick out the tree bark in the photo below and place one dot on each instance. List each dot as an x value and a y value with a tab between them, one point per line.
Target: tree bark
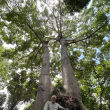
69	81
44	87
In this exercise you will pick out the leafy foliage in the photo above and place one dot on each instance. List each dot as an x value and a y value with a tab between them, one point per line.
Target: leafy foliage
29	107
89	52
75	5
4	70
23	86
2	99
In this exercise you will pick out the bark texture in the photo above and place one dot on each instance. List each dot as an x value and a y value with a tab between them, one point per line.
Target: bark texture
44	87
70	84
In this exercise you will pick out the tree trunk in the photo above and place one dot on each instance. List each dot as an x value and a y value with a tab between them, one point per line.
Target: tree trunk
102	89
44	87
69	81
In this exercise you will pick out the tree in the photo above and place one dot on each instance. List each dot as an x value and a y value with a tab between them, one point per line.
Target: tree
4	69
4	77
29	28
20	89
2	100
76	5
44	87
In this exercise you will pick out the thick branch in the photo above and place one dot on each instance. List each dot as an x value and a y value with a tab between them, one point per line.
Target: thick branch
34	32
10	8
76	38
89	36
51	38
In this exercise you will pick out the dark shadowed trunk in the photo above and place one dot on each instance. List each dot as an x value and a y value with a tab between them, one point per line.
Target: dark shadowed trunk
70	83
101	94
12	106
44	87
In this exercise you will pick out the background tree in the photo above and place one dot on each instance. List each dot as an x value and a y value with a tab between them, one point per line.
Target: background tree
2	100
4	77
76	5
4	70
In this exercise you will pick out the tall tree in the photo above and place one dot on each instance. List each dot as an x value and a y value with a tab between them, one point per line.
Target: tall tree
4	70
52	23
76	5
44	87
2	100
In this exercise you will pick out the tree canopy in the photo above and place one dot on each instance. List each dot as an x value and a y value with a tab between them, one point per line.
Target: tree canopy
26	26
76	5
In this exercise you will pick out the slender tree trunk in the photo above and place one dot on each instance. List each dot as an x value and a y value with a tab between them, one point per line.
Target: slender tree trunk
12	107
102	89
70	83
44	87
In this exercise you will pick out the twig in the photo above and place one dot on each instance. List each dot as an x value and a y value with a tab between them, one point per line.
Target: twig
52	11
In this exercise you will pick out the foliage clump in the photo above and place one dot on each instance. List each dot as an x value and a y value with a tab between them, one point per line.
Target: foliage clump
76	5
68	102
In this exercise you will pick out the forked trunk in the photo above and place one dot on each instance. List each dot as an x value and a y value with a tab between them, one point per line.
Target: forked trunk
69	81
44	87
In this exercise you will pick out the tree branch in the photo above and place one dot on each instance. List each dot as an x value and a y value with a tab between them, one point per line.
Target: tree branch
52	11
56	20
9	7
31	52
34	32
76	38
61	20
89	36
51	38
25	22
17	5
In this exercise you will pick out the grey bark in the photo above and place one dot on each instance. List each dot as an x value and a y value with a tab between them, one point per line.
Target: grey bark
69	81
44	87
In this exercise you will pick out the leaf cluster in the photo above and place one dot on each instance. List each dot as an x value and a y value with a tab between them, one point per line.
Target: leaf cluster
75	5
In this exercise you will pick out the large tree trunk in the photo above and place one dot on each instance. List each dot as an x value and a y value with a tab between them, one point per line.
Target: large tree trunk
69	82
44	87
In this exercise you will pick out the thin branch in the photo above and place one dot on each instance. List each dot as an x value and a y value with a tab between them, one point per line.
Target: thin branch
38	51
61	21
76	69
51	38
17	5
63	10
91	35
53	28
56	20
76	38
34	32
52	11
9	7
30	53
25	22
